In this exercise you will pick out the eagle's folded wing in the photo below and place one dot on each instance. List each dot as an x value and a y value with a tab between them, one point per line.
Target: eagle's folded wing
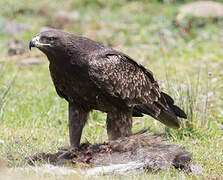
118	75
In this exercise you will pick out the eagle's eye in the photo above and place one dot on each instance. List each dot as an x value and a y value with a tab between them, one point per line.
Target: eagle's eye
52	38
48	40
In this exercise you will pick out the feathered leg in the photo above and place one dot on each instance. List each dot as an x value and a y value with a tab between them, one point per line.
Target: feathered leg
77	120
119	124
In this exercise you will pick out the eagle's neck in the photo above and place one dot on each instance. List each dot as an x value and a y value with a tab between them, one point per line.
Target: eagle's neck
58	59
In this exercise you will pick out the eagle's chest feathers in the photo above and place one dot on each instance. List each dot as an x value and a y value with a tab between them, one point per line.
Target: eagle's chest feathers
73	85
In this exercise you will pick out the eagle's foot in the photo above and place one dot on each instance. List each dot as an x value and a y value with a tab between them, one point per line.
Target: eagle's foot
68	153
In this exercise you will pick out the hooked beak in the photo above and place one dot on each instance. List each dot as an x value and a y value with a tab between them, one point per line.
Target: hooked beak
34	42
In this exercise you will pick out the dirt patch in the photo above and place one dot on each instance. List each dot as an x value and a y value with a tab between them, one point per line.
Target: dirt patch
16	47
14	28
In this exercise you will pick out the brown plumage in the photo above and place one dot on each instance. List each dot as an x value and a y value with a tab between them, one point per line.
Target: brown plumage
90	75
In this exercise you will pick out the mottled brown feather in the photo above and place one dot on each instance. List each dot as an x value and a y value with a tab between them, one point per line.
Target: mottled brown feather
120	76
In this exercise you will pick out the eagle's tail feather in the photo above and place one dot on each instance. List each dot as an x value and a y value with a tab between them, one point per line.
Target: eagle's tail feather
177	111
168	116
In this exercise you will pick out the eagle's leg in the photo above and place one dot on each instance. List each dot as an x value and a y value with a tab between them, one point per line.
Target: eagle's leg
119	124
77	120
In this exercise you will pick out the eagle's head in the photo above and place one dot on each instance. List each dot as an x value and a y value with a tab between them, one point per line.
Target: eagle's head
50	42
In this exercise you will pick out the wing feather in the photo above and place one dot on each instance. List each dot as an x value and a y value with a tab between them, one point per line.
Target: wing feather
119	75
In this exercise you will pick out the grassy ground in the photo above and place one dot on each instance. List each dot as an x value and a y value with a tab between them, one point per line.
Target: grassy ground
34	119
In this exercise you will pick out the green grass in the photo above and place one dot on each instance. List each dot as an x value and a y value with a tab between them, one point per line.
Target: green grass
34	119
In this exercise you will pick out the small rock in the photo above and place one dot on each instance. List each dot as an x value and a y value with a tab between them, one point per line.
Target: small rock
16	47
13	28
30	61
73	16
165	32
203	9
196	169
197	14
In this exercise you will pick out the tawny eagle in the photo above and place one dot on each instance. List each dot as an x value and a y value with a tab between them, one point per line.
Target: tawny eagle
92	76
